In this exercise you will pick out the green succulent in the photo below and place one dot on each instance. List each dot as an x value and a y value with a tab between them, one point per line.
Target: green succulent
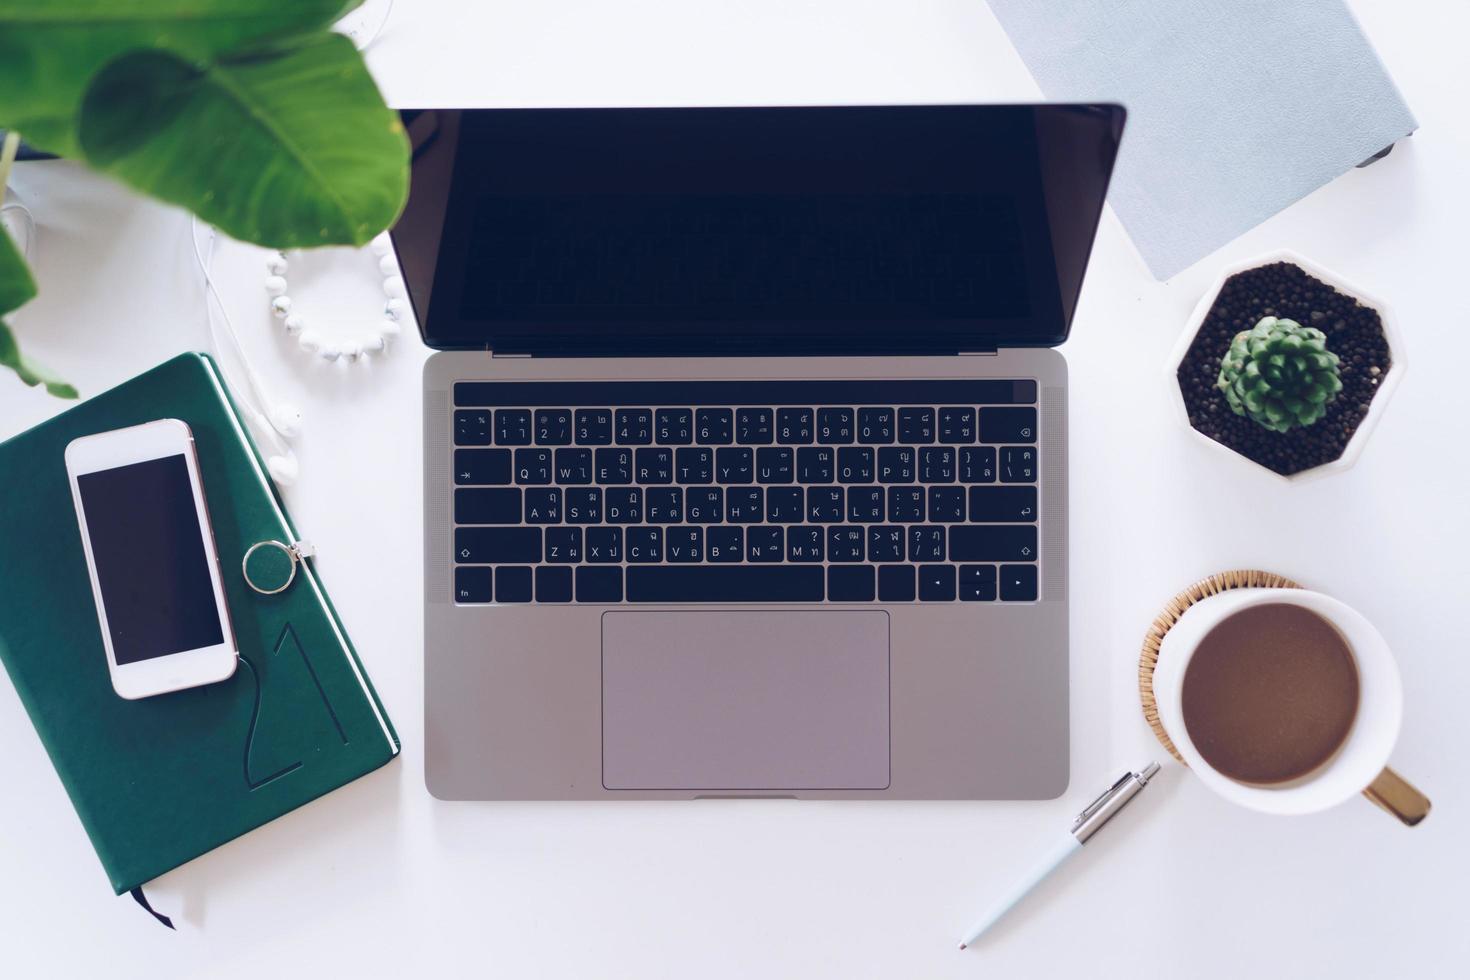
1280	374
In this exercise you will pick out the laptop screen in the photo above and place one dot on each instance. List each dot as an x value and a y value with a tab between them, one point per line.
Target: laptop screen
752	230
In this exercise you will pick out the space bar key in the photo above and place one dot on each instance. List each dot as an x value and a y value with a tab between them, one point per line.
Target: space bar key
725	583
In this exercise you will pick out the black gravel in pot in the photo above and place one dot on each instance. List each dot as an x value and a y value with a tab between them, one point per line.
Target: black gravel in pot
1354	332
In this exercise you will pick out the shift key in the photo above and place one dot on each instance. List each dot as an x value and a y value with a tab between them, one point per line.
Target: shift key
992	542
497	545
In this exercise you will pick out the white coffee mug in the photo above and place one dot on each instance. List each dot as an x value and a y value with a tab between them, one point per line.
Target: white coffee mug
1360	764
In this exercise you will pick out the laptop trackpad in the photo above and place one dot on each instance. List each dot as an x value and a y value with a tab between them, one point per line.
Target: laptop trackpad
745	700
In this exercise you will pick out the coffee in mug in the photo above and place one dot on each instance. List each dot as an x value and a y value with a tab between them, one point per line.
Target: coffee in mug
1284	700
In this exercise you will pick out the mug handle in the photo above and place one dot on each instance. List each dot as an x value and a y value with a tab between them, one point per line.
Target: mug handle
1397	795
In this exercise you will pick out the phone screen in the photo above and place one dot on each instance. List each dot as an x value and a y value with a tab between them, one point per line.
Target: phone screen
151	564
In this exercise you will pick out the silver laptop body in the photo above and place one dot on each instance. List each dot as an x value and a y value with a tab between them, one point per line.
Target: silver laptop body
619	599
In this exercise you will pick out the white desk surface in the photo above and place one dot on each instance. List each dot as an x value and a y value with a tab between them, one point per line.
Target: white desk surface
379	879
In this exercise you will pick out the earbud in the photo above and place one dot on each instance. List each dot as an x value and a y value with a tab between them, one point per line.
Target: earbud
284	469
285	418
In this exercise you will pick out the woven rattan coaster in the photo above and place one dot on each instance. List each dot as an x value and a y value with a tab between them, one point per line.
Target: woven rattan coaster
1164	621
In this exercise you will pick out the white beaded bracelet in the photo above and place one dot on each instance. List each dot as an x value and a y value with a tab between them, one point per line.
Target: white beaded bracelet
353	349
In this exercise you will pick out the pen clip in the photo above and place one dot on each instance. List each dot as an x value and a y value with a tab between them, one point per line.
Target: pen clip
1102	800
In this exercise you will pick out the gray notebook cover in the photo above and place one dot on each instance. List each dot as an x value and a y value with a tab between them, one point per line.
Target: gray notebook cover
1236	108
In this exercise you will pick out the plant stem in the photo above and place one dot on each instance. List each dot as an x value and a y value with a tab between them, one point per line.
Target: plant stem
7	156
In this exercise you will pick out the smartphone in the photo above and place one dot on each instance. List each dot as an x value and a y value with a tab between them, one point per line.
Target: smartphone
151	557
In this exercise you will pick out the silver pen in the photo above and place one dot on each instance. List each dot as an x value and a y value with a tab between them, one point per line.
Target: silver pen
1088	822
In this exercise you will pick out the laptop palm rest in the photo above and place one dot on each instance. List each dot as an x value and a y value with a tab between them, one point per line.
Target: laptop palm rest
745	700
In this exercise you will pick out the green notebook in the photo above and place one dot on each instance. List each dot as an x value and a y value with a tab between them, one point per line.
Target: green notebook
161	780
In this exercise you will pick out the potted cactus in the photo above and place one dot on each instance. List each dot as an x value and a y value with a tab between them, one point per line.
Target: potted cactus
1287	365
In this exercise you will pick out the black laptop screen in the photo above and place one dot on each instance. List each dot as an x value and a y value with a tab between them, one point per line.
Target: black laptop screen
752	230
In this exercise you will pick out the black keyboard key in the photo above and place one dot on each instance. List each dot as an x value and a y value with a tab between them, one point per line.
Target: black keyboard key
673	426
794	426
854	464
624	505
583	505
875	425
694	464
553	584
645	545
957	425
885	543
1007	425
946	504
573	466
977	583
992	542
1018	583
775	464
664	505
745	505
594	427
977	464
472	428
604	545
482	466
599	584
936	583
725	544
784	505
564	545
473	584
498	545
633	426
714	426
554	428
543	505
1017	464
815	464
654	464
824	505
734	464
1002	504
513	584
865	505
936	464
613	466
704	505
915	425
850	583
834	425
512	427
684	545
804	544
844	543
725	583
895	464
906	504
753	426
926	543
896	583
533	466
763	544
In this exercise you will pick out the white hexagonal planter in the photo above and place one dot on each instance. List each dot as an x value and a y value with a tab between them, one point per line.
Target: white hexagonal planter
1386	385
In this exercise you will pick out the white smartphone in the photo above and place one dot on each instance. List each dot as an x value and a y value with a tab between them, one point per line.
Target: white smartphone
151	556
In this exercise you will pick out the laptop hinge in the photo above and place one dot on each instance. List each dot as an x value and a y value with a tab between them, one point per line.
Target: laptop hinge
978	353
497	354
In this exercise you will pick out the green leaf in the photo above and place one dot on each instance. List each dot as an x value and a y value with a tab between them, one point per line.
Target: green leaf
29	371
16	285
287	147
51	49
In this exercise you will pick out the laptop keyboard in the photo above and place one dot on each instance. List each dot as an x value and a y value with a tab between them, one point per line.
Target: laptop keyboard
676	492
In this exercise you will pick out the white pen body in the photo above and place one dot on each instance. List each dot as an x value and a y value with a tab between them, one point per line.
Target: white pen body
1049	862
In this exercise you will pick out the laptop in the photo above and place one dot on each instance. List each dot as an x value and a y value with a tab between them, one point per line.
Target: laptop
745	446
